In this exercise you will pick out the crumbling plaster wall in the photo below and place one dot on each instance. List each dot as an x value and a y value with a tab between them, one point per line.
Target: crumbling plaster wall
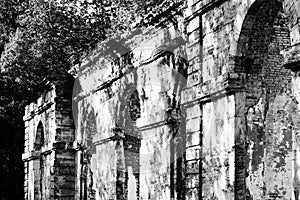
292	10
32	167
208	41
292	62
201	137
50	168
217	149
213	52
268	92
154	69
223	66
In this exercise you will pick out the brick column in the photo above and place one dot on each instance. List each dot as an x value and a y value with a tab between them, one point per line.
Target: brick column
193	108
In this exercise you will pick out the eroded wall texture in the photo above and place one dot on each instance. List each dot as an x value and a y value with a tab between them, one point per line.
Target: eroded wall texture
49	133
137	119
202	103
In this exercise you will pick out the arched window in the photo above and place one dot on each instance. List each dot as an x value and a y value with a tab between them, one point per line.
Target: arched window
39	137
134	106
38	164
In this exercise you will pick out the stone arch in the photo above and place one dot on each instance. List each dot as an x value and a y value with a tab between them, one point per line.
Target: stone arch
39	137
88	127
117	106
88	130
127	113
38	163
264	135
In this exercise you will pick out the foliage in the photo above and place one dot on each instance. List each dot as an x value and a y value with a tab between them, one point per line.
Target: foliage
43	38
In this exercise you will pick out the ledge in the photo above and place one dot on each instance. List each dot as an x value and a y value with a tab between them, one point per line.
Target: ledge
292	57
46	150
219	86
42	108
205	7
32	155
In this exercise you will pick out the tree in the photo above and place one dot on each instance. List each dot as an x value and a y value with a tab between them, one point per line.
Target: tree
46	38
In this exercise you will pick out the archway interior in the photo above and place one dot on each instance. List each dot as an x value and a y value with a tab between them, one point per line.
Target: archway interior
268	153
38	165
39	137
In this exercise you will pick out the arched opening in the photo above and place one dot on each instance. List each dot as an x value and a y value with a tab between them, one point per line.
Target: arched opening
38	163
128	169
264	157
88	130
39	137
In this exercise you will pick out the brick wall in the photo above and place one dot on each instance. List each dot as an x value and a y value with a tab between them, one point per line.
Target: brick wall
269	157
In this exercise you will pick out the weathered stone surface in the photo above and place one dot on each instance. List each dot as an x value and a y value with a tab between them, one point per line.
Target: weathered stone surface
49	170
203	106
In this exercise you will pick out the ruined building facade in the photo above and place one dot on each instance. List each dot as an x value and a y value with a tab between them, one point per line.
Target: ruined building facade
200	103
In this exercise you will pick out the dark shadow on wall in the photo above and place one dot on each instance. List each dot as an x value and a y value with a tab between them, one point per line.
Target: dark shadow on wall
264	34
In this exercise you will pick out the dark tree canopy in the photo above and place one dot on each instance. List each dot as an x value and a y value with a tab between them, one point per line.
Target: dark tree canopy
43	38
